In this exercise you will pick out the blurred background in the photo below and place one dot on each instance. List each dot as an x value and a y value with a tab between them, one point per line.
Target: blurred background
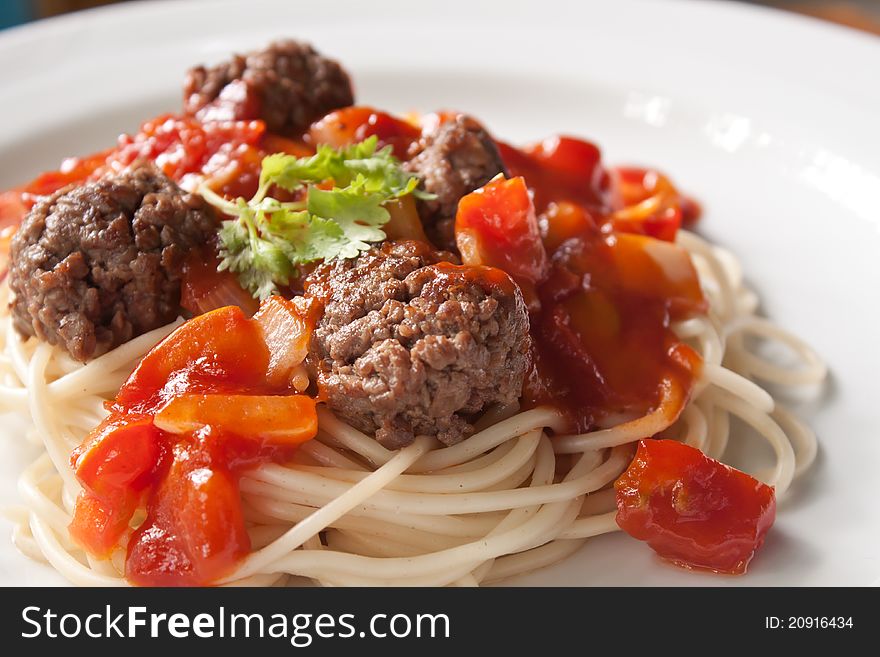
860	14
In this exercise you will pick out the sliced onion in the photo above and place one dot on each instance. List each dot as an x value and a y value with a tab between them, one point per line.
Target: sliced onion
404	223
205	289
287	329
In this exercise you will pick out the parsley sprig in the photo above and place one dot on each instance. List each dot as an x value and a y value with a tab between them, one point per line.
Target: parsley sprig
267	239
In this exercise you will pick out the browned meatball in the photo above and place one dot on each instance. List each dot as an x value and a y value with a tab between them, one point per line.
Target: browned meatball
453	161
95	265
409	345
288	85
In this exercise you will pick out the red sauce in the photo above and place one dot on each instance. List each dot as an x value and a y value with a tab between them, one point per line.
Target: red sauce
226	154
602	349
490	279
602	343
561	169
497	225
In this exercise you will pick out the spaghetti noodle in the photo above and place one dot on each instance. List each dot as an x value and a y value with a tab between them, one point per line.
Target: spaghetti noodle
506	501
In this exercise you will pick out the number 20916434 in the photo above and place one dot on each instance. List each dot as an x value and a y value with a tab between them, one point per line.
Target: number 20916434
808	622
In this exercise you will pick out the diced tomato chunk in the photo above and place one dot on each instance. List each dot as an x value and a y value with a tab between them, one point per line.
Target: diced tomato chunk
194	533
568	156
693	510
113	464
116	455
222	349
227	153
278	419
496	226
12	211
98	524
650	204
351	125
211	520
561	169
181	145
73	170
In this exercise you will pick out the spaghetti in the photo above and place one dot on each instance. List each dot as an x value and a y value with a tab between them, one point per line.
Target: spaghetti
506	501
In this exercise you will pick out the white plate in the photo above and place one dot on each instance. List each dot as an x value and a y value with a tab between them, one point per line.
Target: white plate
770	120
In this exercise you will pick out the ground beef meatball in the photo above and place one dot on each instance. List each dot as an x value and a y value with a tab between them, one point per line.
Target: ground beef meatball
409	345
454	160
288	85
95	265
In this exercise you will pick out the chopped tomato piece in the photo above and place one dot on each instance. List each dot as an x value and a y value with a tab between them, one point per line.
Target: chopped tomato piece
181	145
99	524
496	226
113	464
351	125
574	158
561	169
227	153
693	510
73	170
194	532
650	204
15	203
222	349
279	419
12	211
116	455
211	520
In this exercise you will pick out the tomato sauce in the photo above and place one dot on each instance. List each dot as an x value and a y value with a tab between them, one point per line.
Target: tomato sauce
607	285
225	154
602	350
561	169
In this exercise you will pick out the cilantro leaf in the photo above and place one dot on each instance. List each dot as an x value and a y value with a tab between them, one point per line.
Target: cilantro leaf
357	213
268	239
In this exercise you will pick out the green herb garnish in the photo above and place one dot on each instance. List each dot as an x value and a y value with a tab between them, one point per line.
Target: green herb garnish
268	239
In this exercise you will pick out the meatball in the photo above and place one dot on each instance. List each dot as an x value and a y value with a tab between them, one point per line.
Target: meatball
454	160
288	85
95	265
409	345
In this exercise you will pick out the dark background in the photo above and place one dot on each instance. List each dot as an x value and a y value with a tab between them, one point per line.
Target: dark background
860	14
